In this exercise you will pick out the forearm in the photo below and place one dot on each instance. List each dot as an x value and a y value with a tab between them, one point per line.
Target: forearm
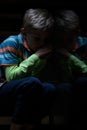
28	67
79	65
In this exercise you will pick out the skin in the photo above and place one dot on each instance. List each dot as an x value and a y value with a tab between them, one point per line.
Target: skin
70	43
39	42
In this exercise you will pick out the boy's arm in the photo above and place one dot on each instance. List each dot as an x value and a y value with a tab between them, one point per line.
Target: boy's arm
29	67
82	41
79	65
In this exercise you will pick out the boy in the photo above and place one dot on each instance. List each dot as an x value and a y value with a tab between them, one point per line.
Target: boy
22	57
67	40
72	69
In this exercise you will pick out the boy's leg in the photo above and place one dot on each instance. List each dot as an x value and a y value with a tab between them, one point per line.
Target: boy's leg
80	101
64	102
48	98
26	94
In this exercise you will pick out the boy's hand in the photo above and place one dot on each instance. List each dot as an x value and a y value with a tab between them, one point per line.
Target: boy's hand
63	51
44	52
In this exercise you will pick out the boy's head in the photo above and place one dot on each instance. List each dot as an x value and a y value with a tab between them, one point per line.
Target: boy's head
38	26
67	28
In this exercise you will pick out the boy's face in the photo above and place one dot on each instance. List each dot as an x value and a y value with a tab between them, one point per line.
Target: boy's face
71	41
38	39
71	44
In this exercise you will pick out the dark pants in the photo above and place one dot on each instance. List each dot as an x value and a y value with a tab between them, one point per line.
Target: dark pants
79	105
63	101
71	102
27	99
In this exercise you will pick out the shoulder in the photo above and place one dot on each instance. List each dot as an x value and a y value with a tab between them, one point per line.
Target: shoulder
82	40
12	41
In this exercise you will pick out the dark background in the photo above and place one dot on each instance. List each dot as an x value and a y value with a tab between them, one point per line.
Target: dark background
12	11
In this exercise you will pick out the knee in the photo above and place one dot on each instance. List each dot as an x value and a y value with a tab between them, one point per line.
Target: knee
64	87
49	88
80	82
34	80
31	83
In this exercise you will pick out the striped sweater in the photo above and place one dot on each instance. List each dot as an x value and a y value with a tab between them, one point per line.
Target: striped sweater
14	52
